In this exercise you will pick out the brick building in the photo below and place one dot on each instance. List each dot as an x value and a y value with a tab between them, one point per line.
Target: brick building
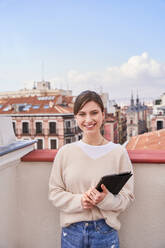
48	119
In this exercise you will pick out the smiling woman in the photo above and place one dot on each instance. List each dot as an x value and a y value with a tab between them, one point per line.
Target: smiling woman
89	218
89	120
89	113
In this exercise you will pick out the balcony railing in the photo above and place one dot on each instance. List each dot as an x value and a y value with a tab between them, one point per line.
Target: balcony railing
34	132
69	131
53	132
46	132
26	132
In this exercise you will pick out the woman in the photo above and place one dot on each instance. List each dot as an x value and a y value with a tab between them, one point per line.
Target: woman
89	219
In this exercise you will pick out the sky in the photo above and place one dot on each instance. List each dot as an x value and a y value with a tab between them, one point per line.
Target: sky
104	45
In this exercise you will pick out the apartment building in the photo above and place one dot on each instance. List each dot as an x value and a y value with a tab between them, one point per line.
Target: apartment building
158	115
48	119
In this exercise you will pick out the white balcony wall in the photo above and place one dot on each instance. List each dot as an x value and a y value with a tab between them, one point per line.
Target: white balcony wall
8	206
144	222
37	222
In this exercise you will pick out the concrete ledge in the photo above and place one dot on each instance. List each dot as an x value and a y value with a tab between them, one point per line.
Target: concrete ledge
10	155
15	146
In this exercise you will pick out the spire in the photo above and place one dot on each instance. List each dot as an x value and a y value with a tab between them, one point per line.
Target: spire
137	99
132	100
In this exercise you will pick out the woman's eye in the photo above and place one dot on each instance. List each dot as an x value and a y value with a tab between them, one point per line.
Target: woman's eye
81	114
94	113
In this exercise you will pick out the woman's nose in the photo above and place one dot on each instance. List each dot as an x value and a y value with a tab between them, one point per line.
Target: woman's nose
88	118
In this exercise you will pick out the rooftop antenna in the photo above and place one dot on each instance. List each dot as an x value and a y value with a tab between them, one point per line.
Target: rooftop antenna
42	71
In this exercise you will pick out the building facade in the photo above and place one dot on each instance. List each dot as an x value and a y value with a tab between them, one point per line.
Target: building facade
48	119
111	128
41	88
136	118
158	115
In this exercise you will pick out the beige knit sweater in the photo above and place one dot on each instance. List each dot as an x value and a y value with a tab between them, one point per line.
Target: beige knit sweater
74	172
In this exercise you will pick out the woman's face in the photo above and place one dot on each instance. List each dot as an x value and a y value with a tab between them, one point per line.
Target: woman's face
90	118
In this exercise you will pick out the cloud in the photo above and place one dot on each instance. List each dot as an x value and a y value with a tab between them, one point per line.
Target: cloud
139	66
140	73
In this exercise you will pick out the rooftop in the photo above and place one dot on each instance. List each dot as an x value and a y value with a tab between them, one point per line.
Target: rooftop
148	141
36	105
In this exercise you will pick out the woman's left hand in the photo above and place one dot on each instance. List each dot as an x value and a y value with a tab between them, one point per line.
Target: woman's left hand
96	196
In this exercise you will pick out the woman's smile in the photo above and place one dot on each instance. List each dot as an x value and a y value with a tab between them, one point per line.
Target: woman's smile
90	126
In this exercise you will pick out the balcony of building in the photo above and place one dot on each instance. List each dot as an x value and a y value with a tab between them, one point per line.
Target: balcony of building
36	132
28	219
70	131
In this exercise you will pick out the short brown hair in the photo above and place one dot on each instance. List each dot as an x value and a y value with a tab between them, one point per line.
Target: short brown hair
85	97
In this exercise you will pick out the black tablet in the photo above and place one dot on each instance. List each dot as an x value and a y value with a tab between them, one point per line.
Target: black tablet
115	182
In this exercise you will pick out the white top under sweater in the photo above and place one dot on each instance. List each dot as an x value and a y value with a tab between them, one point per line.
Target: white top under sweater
79	166
96	151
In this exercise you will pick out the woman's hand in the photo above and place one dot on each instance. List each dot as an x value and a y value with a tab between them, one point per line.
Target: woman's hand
86	201
95	196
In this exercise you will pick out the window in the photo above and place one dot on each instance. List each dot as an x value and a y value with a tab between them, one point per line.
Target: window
25	127
67	141
68	130
159	125
53	144
14	127
40	144
36	107
68	124
158	102
52	127
7	108
130	133
27	107
38	127
46	106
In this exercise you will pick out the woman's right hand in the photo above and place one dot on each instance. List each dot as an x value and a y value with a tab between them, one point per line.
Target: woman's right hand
86	202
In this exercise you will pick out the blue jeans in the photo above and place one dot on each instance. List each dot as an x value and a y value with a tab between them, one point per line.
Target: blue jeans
89	234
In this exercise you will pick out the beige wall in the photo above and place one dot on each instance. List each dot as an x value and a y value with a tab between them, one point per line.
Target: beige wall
144	222
8	207
37	222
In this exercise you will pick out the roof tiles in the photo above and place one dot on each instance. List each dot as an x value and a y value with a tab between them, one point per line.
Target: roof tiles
12	105
148	141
